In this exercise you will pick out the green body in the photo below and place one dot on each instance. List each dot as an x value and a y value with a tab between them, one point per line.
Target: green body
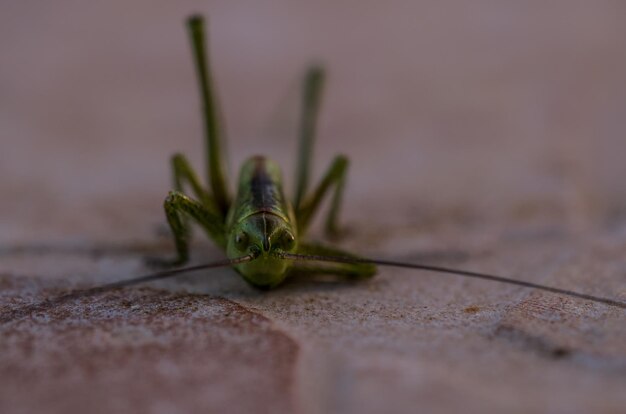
260	220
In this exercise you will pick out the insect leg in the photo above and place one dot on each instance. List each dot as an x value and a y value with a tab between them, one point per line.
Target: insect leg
350	270
336	175
184	174
176	204
312	94
215	168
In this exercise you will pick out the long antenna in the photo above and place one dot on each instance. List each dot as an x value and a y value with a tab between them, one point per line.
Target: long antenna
458	272
167	273
48	303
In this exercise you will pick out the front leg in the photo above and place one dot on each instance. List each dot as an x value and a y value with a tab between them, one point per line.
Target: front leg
183	174
176	204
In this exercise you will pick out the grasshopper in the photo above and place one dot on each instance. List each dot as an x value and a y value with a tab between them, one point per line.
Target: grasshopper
261	231
260	228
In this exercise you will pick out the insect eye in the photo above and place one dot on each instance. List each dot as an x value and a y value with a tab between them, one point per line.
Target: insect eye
241	241
287	240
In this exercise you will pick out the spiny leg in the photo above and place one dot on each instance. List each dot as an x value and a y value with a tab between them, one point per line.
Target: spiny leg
176	204
336	175
312	94
349	270
215	157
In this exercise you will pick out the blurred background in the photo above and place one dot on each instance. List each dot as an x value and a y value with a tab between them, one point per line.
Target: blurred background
501	109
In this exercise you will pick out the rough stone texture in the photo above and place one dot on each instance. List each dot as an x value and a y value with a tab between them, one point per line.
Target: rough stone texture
482	135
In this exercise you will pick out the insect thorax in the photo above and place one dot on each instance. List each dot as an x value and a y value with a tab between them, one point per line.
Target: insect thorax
261	222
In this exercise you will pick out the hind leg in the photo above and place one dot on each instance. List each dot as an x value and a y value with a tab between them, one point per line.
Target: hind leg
313	84
216	171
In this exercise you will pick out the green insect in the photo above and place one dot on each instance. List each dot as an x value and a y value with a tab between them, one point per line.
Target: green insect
260	225
261	231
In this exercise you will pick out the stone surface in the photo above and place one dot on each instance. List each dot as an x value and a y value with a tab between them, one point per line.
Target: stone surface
483	136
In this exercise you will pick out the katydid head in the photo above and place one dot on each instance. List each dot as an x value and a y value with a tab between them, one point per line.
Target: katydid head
266	237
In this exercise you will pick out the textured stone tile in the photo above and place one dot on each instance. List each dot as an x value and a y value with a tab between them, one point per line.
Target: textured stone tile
145	350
